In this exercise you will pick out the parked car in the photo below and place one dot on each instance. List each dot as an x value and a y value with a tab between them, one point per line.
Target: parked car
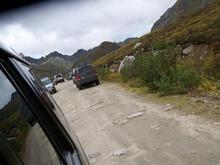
33	129
49	85
58	79
69	76
85	75
73	75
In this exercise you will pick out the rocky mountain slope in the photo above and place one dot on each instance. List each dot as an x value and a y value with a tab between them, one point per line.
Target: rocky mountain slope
179	28
181	10
56	62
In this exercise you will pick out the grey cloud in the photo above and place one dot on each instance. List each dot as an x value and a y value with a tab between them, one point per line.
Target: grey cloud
71	25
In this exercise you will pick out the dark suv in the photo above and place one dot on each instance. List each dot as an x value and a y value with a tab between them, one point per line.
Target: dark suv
33	130
85	75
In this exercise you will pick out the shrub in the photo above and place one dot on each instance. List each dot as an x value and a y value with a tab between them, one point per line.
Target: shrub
207	85
152	66
114	77
128	72
212	67
186	78
159	71
181	80
102	72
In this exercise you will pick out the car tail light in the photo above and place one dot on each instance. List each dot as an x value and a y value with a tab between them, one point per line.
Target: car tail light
77	77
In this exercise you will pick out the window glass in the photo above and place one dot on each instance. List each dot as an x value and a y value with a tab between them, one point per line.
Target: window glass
46	81
21	130
44	93
85	70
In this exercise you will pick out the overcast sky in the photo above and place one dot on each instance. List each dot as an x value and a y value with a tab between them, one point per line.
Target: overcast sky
68	26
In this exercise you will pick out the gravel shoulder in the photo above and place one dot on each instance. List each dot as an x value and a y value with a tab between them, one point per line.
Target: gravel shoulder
119	127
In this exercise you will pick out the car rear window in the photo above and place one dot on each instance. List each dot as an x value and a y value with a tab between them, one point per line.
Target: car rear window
86	69
46	81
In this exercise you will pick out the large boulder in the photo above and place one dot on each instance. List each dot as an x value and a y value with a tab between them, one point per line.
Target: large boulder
114	67
128	60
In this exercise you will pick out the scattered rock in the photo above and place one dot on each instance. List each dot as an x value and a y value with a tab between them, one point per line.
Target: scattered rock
169	108
115	122
194	152
217	109
107	125
128	60
168	144
137	45
123	122
216	123
93	160
120	152
95	108
155	125
138	114
114	67
94	155
199	100
187	51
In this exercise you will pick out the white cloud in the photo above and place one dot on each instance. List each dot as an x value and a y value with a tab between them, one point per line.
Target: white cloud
71	25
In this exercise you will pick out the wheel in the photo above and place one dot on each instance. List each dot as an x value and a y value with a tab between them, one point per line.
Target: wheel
79	87
97	82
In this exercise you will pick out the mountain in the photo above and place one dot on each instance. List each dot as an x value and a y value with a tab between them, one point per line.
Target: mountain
33	60
128	40
181	10
56	62
46	58
97	52
52	66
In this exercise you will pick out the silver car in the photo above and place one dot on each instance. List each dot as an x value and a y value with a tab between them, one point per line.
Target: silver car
49	85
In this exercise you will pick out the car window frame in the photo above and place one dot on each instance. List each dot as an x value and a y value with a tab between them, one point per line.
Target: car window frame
22	85
71	143
58	113
3	67
10	147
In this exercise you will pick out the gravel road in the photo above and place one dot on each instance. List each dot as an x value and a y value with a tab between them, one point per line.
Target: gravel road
118	127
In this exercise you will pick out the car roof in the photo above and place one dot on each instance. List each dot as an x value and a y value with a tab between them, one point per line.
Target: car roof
9	52
84	66
45	78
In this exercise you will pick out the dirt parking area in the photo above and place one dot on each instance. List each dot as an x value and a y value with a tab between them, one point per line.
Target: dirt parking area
119	127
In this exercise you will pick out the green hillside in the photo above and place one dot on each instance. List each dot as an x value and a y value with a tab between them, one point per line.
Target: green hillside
199	28
160	56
